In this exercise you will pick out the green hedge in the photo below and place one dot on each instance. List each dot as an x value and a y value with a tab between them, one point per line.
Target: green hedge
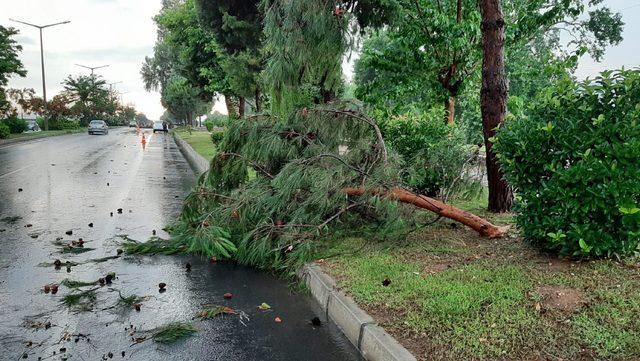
575	165
4	131
15	125
433	153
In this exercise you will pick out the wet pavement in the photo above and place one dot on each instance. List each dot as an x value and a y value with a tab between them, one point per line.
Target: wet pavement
51	186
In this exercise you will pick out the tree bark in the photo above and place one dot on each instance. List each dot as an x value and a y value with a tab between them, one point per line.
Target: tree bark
231	109
258	103
450	105
493	99
241	107
482	226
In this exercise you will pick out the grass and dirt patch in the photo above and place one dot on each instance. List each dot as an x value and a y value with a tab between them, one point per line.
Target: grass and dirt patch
199	140
452	295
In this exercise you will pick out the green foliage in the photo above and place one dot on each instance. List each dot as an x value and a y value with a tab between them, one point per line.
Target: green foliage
217	120
59	124
305	42
4	131
10	65
173	332
574	165
433	153
82	301
15	125
217	137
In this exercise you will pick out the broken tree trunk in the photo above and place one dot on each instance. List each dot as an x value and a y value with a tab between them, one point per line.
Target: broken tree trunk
482	226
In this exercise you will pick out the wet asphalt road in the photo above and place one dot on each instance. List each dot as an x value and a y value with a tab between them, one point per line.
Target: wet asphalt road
64	187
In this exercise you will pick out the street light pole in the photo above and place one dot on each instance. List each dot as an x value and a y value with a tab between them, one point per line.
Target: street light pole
92	68
44	84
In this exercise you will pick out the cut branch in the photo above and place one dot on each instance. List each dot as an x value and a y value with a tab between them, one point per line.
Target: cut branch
480	225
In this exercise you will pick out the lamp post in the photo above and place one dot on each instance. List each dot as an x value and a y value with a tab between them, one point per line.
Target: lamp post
44	85
92	68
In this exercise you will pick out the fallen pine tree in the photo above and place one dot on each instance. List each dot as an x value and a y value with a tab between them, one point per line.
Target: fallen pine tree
278	186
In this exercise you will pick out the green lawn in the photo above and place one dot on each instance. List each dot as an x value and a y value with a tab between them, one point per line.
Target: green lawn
43	134
454	295
199	140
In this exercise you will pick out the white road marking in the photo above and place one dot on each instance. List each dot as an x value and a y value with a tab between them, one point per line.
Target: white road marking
15	171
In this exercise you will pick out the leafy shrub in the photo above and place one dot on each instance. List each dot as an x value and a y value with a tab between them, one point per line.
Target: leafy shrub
433	153
59	124
574	163
4	131
216	137
216	120
15	125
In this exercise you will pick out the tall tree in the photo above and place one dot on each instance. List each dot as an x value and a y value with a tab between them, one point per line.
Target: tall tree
493	98
10	64
237	27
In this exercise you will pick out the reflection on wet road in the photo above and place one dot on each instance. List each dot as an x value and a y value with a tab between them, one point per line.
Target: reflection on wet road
59	190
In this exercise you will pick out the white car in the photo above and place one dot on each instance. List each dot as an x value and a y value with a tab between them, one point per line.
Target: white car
160	126
98	126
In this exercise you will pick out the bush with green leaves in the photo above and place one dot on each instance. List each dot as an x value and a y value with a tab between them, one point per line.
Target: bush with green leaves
4	131
216	120
574	163
15	124
434	154
216	137
60	124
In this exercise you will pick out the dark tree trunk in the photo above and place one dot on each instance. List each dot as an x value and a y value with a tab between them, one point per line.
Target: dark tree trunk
241	107
258	103
231	109
493	99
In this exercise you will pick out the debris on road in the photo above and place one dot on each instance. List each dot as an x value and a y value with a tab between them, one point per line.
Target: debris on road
215	310
278	320
172	332
227	296
264	307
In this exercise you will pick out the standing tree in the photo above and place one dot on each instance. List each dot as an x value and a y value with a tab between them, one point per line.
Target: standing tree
10	65
237	27
493	99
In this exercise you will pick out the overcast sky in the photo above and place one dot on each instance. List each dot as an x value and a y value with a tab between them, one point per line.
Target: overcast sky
121	32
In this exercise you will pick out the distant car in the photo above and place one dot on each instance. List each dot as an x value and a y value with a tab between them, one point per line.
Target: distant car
98	126
133	124
32	126
160	127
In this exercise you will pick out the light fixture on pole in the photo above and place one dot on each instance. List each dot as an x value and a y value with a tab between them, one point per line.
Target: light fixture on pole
44	84
92	68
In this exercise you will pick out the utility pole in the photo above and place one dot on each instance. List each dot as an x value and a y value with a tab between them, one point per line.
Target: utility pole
44	84
92	68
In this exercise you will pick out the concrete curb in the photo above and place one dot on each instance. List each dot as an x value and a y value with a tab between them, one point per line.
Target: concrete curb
372	341
197	162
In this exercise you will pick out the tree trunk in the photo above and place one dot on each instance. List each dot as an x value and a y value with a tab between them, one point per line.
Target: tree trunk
231	109
258	103
241	107
450	105
493	99
482	226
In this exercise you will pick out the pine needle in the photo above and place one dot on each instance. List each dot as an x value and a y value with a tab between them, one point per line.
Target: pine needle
172	332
